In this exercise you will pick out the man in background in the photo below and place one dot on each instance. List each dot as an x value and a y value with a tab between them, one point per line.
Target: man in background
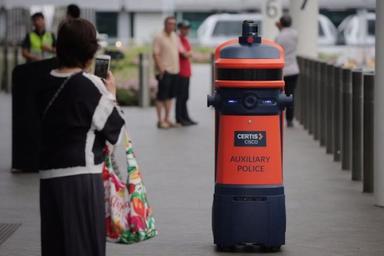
73	11
182	96
287	38
38	44
166	57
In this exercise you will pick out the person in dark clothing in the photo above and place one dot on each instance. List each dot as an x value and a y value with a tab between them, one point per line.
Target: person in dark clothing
79	115
38	44
182	95
288	40
27	80
73	11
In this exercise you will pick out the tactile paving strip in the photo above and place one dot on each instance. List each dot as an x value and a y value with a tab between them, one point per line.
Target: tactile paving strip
6	230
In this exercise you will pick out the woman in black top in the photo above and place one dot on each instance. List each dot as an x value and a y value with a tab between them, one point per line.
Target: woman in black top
80	119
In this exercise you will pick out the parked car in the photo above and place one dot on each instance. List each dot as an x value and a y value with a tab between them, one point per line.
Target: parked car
358	29
102	39
218	28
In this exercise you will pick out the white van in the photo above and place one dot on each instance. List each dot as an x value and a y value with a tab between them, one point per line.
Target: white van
218	28
358	29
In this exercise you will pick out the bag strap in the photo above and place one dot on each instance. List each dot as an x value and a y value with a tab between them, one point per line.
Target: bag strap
57	94
130	157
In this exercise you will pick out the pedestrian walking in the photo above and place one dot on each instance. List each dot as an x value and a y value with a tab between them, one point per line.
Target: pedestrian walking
166	58
79	115
287	38
38	44
182	95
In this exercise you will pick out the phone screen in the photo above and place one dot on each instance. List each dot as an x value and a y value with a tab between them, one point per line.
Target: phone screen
101	67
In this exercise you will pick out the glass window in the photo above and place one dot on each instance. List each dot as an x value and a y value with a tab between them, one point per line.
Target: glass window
321	31
227	28
195	19
371	27
106	23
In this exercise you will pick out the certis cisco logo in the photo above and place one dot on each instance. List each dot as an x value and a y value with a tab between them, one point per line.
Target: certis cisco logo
250	139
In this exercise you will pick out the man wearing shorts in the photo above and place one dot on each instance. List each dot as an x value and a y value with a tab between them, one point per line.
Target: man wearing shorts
166	57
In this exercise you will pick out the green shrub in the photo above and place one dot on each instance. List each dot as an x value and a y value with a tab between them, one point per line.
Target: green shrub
126	97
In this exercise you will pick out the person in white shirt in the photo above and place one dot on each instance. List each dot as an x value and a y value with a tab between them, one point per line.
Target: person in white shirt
287	38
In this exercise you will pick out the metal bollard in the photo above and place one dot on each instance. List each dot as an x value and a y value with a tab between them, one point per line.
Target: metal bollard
368	138
337	114
314	106
330	96
316	100
346	147
327	100
2	64
304	98
322	104
212	73
144	98
11	64
16	56
4	80
310	95
302	91
297	99
341	127
306	84
357	124
326	106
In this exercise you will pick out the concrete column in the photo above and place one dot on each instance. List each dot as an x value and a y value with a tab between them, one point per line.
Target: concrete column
123	26
168	7
272	10
304	15
379	108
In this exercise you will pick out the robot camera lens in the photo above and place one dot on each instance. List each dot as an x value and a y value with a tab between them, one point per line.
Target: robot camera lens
250	101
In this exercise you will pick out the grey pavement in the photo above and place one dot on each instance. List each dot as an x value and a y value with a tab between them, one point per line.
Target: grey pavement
326	212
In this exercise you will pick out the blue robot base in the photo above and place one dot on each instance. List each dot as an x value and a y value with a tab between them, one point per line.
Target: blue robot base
244	214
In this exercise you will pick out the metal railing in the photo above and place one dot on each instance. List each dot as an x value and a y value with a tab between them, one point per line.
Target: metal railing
336	106
10	57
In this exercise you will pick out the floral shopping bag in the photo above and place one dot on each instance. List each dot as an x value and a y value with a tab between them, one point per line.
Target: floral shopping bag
128	215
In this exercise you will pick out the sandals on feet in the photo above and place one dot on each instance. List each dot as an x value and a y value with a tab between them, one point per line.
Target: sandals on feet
163	125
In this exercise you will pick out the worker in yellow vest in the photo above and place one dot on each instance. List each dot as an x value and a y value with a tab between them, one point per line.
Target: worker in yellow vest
38	44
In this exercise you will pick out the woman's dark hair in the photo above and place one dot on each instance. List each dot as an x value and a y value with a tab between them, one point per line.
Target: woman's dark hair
286	21
76	43
73	11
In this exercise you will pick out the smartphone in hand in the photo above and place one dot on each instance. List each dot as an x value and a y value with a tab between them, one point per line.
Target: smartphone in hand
102	64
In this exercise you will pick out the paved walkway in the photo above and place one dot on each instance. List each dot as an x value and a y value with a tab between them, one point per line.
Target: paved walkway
326	212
